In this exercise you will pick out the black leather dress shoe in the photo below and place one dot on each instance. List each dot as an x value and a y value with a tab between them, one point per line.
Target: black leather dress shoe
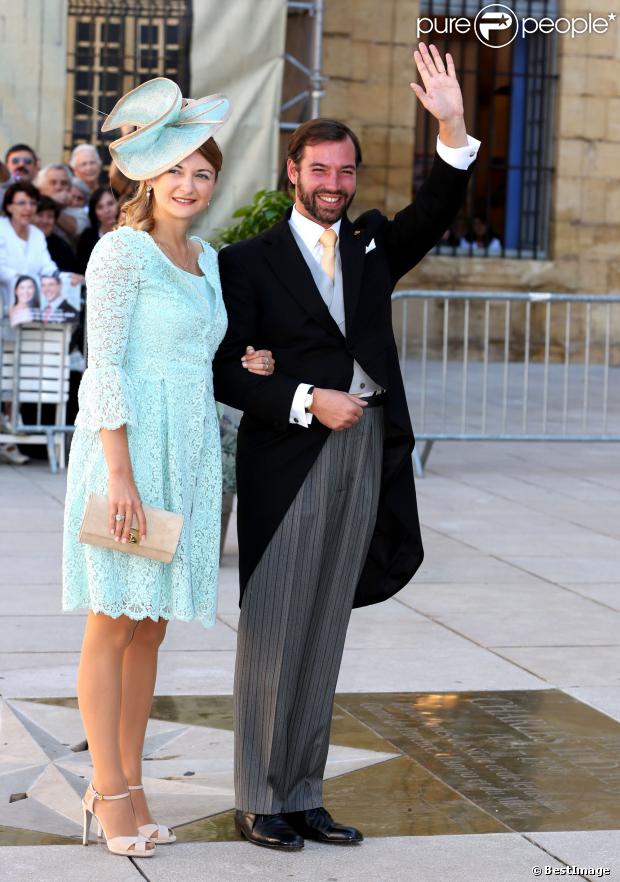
270	831
318	824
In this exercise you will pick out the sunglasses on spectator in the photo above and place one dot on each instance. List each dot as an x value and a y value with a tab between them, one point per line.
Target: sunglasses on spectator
21	160
22	202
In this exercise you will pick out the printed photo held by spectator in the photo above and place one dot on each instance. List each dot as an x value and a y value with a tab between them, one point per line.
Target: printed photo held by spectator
86	164
54	304
23	249
55	181
103	211
26	302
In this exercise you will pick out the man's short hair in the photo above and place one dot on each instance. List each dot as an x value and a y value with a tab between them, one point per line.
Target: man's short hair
314	131
90	148
41	178
19	148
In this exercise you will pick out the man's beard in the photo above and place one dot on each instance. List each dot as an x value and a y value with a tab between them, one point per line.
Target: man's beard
319	211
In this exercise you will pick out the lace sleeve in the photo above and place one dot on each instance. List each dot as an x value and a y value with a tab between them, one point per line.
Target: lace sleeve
106	396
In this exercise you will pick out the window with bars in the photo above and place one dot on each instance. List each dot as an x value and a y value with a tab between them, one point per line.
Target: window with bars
113	46
508	94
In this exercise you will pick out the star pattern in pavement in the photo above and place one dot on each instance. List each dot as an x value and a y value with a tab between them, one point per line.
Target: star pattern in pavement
188	769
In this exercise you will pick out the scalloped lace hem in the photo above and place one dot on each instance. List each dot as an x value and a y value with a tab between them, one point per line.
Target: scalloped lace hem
141	615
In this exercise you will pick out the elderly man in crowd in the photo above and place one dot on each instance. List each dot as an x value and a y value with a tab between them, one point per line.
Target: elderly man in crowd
86	164
55	181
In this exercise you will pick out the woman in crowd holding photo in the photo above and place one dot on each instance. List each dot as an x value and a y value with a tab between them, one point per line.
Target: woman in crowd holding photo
23	250
147	433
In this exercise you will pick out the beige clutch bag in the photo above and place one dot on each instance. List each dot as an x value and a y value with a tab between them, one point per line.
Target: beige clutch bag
163	529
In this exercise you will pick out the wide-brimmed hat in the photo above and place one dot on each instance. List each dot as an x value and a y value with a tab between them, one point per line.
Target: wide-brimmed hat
168	128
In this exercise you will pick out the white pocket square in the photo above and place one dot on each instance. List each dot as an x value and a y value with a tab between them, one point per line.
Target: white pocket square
371	246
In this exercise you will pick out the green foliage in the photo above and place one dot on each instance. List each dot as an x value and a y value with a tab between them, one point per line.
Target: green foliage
267	207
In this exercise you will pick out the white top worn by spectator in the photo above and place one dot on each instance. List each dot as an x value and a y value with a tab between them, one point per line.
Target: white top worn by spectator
309	232
21	257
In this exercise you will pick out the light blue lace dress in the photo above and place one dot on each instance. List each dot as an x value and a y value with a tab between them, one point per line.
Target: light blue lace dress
153	330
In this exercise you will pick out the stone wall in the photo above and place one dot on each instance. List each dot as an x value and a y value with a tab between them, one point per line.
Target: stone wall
33	49
367	54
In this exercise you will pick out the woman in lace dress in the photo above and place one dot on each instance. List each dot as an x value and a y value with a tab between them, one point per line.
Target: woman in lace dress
147	432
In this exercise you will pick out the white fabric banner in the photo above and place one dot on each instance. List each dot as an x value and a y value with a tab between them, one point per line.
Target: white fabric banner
238	49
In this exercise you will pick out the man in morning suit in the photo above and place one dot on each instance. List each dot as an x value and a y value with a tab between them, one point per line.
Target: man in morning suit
327	516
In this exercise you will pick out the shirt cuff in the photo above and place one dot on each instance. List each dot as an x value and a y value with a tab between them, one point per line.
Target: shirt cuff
299	415
459	157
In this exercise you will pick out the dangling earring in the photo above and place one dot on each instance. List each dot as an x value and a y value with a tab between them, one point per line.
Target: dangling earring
149	191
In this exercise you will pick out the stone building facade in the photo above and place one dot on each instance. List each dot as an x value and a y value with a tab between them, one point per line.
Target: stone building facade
367	56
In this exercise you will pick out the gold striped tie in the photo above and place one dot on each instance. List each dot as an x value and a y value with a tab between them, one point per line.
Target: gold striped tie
328	261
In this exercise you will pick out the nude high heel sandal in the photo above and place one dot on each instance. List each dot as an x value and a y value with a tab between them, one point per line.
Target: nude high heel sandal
128	846
165	836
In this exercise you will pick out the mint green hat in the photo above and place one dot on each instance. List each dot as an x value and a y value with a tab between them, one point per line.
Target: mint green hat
168	128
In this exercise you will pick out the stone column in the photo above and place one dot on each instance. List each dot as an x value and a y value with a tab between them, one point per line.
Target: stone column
33	49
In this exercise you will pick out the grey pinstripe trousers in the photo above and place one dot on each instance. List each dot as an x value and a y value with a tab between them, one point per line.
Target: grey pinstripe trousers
293	624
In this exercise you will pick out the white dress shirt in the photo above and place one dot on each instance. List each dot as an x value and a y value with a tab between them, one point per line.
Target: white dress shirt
22	257
310	232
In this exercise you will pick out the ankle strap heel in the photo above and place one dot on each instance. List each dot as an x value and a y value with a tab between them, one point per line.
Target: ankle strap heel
155	833
128	846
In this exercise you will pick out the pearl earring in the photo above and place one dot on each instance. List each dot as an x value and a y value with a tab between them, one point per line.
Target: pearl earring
149	191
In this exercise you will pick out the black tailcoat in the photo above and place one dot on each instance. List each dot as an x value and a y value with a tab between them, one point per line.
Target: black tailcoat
273	303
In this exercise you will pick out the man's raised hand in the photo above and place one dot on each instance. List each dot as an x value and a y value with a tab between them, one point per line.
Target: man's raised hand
441	95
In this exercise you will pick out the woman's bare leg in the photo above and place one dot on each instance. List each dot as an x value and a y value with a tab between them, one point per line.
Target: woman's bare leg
99	696
138	678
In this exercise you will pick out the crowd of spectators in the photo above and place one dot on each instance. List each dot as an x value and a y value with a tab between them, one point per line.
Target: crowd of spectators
51	218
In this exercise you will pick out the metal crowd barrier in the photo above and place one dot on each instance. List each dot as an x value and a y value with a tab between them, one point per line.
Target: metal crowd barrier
34	361
509	366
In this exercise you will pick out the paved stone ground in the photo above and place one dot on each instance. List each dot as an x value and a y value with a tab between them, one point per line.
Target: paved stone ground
520	591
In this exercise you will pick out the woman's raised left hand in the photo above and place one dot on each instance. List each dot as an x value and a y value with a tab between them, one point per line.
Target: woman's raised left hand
259	362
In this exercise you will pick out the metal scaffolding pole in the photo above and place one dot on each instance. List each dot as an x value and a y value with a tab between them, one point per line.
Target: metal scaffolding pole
314	89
